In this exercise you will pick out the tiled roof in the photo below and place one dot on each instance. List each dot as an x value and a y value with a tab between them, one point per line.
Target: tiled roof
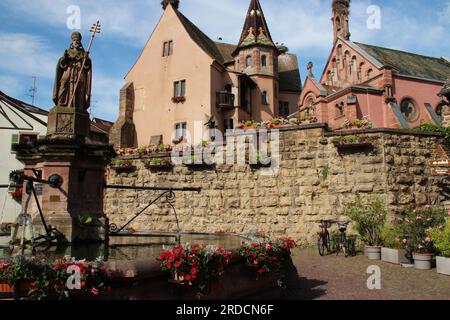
409	64
255	31
101	126
226	50
201	39
23	105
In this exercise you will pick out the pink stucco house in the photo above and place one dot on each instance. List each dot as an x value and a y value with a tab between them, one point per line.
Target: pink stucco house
183	78
393	89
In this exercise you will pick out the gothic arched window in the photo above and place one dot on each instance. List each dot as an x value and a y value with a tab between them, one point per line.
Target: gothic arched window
248	61
264	60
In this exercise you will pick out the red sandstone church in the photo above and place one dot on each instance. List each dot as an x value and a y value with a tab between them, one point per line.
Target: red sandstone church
394	89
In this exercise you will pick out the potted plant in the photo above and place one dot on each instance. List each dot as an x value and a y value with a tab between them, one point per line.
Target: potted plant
369	216
249	124
195	266
276	122
260	159
123	165
441	239
27	277
93	277
157	163
5	287
266	256
392	251
353	141
415	225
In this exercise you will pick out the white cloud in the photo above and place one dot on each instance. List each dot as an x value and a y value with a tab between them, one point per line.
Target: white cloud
26	54
444	15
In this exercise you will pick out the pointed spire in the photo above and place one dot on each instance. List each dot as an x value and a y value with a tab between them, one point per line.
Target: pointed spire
341	13
175	4
255	30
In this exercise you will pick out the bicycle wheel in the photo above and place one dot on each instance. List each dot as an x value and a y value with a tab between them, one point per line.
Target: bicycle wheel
321	245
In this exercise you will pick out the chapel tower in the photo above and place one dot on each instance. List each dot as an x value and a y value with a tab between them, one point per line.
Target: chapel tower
341	13
257	56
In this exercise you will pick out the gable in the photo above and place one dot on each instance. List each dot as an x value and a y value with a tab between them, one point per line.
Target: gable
362	56
188	42
17	115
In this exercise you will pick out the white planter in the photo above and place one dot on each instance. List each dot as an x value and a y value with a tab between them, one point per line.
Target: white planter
395	256
423	261
373	253
443	265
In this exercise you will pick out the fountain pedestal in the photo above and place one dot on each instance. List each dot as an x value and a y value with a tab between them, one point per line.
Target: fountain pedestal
76	208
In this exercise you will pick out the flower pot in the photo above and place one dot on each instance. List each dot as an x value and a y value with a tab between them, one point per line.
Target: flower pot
443	265
395	256
423	261
373	253
6	288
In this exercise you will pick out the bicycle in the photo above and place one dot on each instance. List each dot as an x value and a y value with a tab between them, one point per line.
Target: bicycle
344	244
323	240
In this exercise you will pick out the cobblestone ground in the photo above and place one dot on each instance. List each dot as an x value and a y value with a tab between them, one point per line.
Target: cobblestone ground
339	278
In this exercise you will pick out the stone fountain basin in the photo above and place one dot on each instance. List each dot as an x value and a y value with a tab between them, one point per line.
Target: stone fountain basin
143	280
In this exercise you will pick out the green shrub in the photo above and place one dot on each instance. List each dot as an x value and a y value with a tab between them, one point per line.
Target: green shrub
430	127
369	216
390	235
441	239
415	225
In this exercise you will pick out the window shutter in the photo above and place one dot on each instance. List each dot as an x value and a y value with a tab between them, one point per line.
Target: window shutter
14	140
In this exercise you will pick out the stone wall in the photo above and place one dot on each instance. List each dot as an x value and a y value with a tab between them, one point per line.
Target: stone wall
315	182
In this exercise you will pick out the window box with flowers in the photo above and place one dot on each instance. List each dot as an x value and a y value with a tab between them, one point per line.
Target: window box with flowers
349	142
121	166
267	256
414	225
16	193
356	124
195	267
158	163
179	99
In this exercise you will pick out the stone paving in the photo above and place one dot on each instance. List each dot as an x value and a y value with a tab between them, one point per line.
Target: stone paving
339	278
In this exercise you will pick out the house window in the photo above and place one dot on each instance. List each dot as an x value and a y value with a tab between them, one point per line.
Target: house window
265	98
168	48
409	109
179	88
249	61
23	138
264	60
284	108
180	130
340	110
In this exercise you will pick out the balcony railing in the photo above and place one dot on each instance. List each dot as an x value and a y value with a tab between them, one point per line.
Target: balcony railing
225	100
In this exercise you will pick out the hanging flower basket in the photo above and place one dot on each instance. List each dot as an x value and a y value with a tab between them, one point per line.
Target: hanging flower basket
17	194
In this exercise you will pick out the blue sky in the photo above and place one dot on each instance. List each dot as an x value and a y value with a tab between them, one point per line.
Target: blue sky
34	34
